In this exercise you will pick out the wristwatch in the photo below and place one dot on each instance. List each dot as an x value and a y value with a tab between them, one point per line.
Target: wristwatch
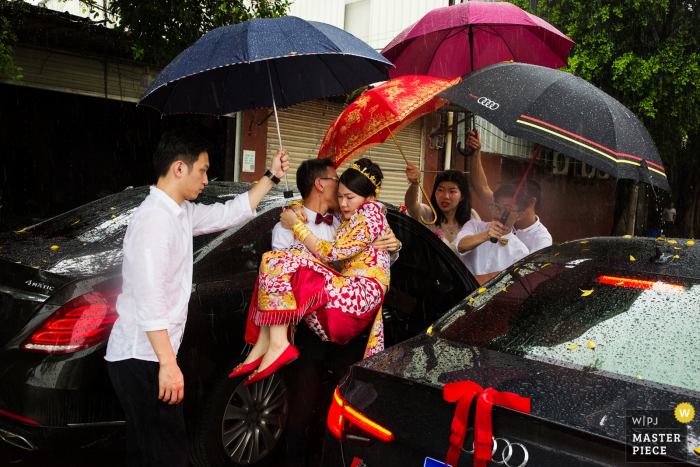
274	179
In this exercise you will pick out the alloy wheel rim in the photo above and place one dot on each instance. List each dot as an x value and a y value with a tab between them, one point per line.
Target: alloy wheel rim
254	419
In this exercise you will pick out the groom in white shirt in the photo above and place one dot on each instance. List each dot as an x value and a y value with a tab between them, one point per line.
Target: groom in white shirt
317	181
152	308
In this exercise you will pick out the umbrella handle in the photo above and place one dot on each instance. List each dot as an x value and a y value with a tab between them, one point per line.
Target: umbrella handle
419	183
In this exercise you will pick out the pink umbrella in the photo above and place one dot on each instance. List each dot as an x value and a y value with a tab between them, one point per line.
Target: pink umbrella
452	41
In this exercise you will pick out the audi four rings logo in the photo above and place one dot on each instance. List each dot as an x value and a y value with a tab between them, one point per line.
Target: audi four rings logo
506	453
488	103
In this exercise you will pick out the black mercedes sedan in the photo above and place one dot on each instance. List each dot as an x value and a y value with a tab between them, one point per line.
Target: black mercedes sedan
58	286
600	336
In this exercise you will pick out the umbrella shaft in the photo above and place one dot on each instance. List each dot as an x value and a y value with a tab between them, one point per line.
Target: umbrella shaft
277	122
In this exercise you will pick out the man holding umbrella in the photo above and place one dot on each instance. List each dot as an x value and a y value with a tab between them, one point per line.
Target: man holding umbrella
157	272
529	229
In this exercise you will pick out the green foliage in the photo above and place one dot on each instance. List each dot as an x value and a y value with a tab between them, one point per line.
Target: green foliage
13	12
645	53
158	31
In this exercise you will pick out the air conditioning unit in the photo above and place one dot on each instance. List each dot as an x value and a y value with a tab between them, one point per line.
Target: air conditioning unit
560	163
437	141
602	175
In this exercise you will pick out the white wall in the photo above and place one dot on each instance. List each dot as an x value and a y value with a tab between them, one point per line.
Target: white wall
389	17
325	11
74	7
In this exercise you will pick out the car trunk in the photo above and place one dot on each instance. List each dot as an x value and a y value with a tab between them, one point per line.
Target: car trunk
23	289
574	414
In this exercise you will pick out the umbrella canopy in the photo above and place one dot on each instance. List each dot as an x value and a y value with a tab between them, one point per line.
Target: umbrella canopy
373	117
565	113
455	40
226	70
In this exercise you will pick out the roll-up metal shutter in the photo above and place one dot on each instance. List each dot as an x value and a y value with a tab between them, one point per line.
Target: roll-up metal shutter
303	127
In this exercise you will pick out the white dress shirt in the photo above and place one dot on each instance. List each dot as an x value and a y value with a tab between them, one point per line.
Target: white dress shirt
283	238
157	269
490	257
534	237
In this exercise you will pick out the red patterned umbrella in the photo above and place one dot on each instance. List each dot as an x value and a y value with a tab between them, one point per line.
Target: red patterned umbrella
375	116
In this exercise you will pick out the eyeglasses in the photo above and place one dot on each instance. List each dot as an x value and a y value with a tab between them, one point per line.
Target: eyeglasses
335	179
496	209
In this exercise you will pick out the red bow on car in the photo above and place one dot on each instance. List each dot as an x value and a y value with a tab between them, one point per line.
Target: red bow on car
463	393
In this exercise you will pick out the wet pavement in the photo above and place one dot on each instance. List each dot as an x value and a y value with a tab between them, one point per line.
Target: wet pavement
16	457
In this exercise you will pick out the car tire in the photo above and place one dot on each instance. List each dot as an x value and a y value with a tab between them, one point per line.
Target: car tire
241	425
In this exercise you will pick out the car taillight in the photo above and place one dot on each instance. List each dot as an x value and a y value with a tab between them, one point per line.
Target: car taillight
641	284
81	323
345	422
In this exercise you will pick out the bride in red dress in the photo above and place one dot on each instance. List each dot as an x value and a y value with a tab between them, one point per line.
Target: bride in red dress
297	283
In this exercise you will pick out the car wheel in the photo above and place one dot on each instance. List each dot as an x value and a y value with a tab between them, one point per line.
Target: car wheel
242	425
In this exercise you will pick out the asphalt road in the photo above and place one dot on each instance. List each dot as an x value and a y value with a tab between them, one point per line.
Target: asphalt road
16	457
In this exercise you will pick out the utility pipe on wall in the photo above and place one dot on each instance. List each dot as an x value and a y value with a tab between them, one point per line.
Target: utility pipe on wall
238	149
448	142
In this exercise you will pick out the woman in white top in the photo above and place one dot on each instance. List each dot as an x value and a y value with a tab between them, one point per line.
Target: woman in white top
452	201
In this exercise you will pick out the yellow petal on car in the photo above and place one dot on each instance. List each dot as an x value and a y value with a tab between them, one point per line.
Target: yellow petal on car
584	241
84	244
572	347
591	344
21	231
676	257
75	222
113	209
690	242
556	254
505	289
586	293
696	451
18	262
482	290
632	258
661	239
676	248
672	241
54	247
627	236
537	255
545	265
471	299
516	269
113	216
35	267
430	330
639	377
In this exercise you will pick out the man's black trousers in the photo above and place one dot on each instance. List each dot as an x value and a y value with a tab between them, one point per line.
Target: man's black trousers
155	430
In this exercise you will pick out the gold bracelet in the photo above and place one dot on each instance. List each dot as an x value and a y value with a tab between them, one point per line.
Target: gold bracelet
301	231
296	202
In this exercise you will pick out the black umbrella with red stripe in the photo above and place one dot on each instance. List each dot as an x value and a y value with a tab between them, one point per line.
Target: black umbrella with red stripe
563	112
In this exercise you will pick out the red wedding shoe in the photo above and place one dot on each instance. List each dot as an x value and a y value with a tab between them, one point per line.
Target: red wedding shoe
288	356
245	368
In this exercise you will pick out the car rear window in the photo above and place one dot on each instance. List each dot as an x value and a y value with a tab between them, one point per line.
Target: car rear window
642	326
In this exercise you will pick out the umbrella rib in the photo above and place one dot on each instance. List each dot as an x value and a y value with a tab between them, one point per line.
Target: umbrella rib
320	56
566	61
505	42
430	63
171	95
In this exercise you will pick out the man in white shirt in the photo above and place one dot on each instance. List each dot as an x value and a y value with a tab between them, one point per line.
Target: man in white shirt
669	215
529	229
479	254
152	308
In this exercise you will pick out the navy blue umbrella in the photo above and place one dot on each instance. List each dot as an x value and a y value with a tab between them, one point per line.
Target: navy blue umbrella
264	63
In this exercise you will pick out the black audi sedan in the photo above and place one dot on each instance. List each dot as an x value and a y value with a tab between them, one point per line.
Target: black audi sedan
601	335
58	286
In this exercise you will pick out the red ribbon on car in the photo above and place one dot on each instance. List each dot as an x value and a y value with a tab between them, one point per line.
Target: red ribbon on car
463	393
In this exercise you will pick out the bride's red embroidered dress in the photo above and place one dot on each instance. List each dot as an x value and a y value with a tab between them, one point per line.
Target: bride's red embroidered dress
293	284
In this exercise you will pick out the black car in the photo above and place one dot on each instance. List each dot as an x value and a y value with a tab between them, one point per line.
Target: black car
58	285
600	334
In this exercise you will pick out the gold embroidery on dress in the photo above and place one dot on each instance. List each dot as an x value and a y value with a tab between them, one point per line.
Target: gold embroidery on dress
339	282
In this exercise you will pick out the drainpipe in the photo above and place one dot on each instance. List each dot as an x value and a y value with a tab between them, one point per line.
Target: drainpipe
238	149
448	143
